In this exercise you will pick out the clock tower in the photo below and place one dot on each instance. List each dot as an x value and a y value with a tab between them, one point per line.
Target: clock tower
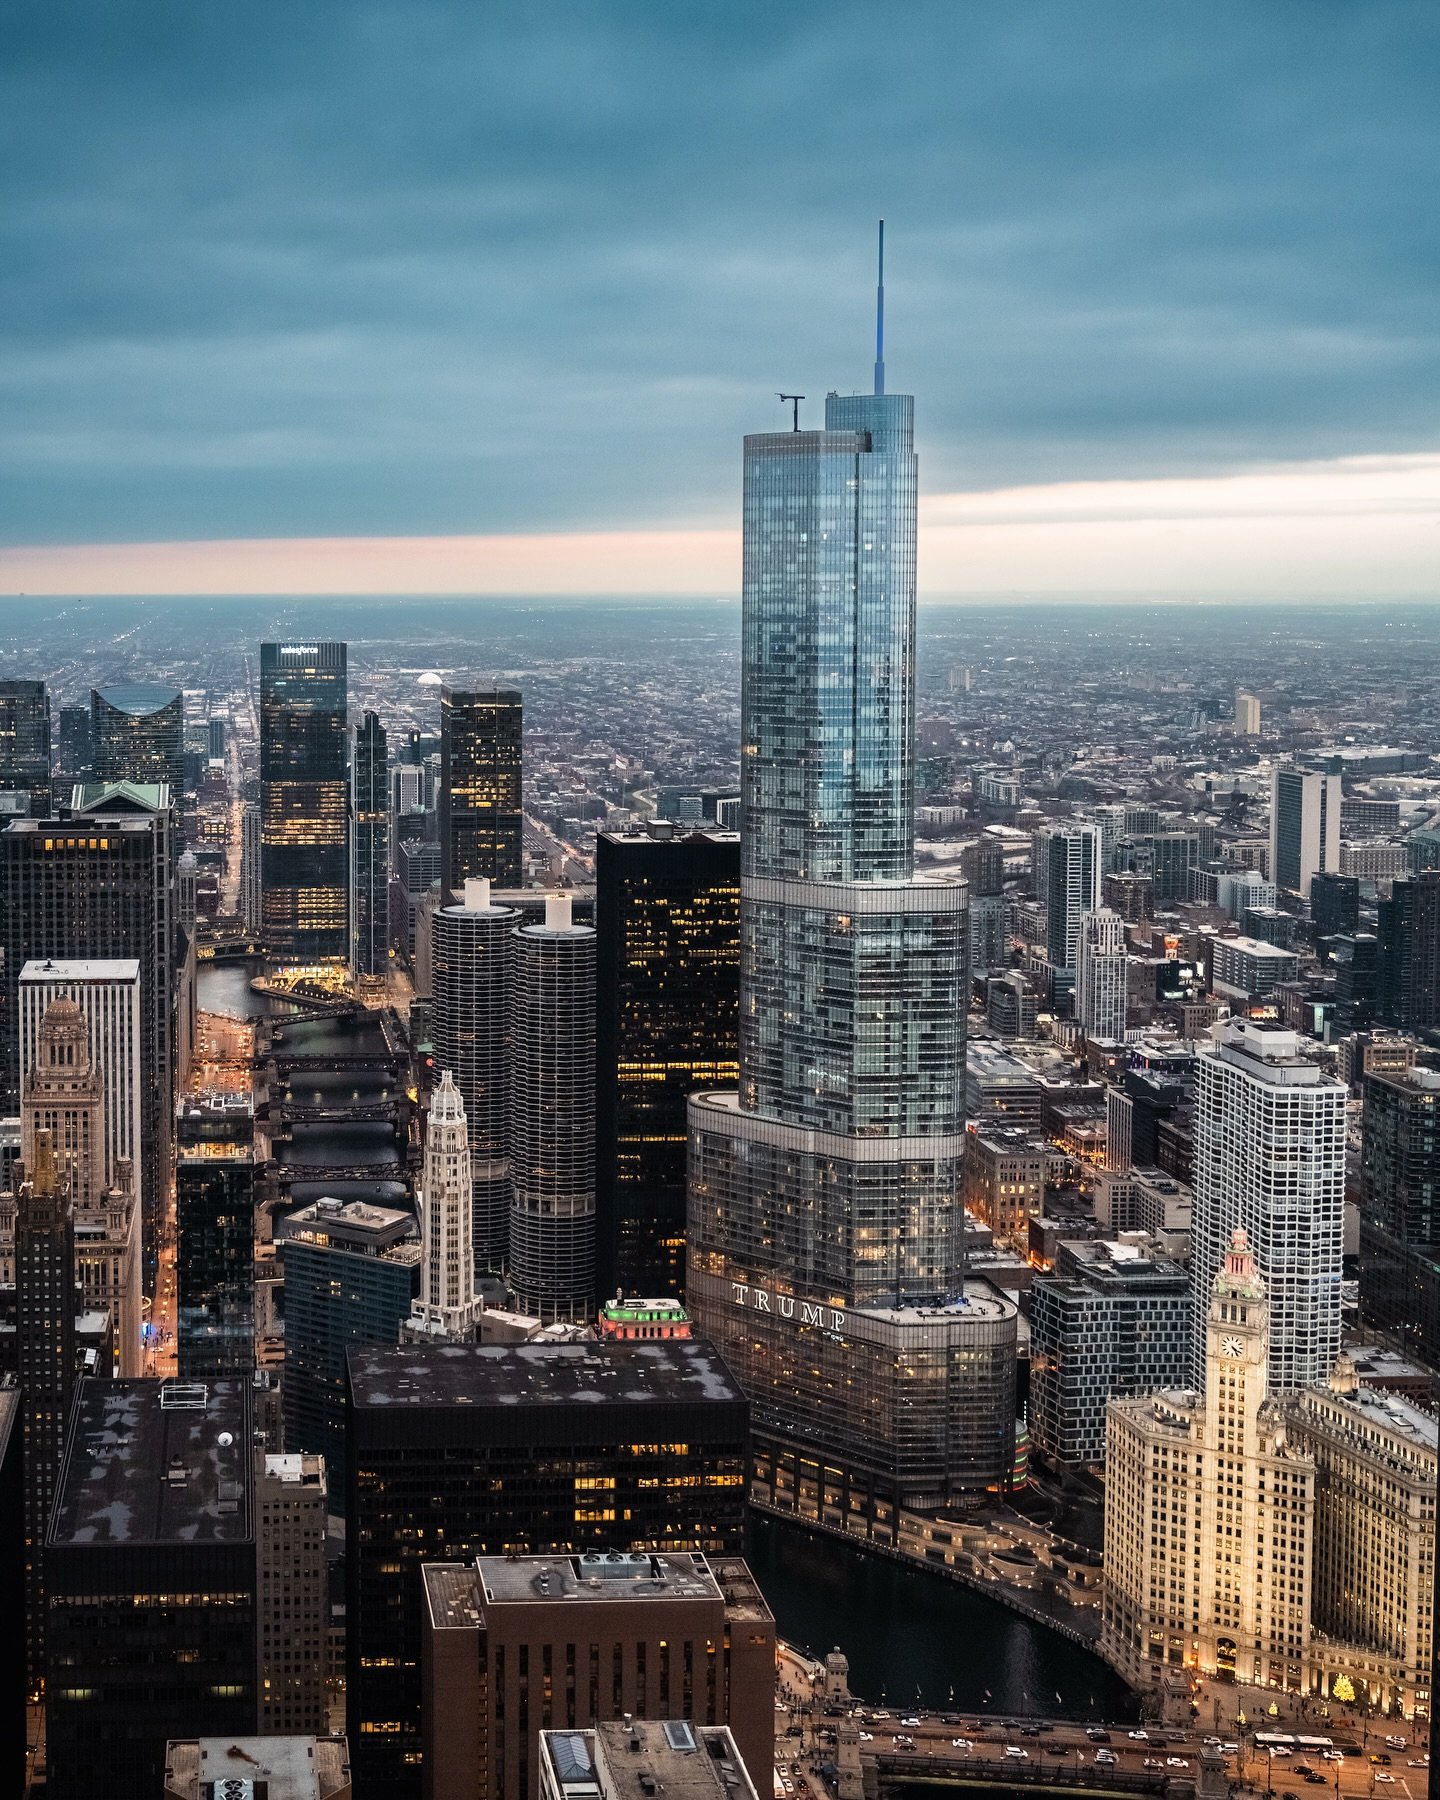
1237	1351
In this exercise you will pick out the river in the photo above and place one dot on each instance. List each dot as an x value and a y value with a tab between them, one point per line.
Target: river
916	1637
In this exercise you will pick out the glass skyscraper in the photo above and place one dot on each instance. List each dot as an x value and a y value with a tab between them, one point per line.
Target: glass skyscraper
304	804
25	742
137	734
480	819
825	1209
369	859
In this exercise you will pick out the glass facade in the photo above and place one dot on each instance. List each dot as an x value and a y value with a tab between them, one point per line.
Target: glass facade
369	857
137	733
304	804
25	742
825	1211
480	819
667	916
215	1237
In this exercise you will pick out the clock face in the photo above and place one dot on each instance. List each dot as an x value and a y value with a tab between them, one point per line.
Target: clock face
1231	1346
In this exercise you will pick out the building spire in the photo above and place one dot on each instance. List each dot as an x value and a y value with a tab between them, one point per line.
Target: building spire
880	317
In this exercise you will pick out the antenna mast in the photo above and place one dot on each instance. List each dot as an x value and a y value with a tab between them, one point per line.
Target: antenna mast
880	318
793	400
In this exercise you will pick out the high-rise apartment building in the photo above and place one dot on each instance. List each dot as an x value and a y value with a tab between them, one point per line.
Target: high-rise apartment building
46	1364
447	1306
251	885
552	1116
292	1599
352	1271
1334	904
1110	1319
151	1575
215	1235
1100	975
1304	827
369	860
626	1635
1071	857
137	734
471	970
1408	954
1247	714
74	748
824	1222
1270	1157
481	823
25	743
99	886
667	920
304	804
490	1450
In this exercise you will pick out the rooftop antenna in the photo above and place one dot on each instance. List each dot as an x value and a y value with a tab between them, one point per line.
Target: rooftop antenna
880	318
794	400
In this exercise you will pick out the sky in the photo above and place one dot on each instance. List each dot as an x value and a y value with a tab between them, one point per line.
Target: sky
460	298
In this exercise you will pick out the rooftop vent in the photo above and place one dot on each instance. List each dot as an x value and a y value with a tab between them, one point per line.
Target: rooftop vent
190	1395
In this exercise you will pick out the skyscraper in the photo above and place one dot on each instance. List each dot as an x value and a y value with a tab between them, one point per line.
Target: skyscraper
25	743
1304	827
472	952
99	885
107	1213
251	886
369	860
304	804
292	1602
1072	858
137	734
1270	1157
447	1306
215	1235
60	1095
1247	714
1400	1207
1334	904
480	760
74	758
1408	953
552	1116
1100	990
667	920
45	1357
824	1247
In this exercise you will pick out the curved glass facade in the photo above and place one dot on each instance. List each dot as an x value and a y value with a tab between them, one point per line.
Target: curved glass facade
137	733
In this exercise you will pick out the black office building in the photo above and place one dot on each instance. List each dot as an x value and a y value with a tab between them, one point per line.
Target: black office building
151	1574
1409	955
1400	1207
74	750
667	919
1357	978
484	1450
25	742
481	824
1334	904
304	804
215	1235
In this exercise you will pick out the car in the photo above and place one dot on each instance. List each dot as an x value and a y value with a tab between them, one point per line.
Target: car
909	1721
787	1784
1333	1755
1096	1735
1138	1737
961	1744
1106	1756
1314	1777
1395	1743
1016	1753
1419	1762
1301	1768
1212	1743
1153	1762
880	1715
1380	1757
1289	1797
1176	1762
867	1737
1231	1749
1381	1775
1031	1731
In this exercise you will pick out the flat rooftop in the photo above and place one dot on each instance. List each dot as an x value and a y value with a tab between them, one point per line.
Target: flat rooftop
674	1757
611	1372
458	1594
296	1768
118	968
155	1462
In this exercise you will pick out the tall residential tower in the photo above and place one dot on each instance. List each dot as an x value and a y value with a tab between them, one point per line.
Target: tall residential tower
304	803
825	1210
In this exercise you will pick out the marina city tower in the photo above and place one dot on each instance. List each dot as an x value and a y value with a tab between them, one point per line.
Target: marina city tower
825	1215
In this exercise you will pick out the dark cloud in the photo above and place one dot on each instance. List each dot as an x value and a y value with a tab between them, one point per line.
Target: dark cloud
274	269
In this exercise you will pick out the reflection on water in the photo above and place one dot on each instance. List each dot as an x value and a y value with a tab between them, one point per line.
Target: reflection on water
912	1636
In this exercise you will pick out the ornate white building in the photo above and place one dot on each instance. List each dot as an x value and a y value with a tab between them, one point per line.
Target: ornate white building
1100	994
1282	1542
447	1306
